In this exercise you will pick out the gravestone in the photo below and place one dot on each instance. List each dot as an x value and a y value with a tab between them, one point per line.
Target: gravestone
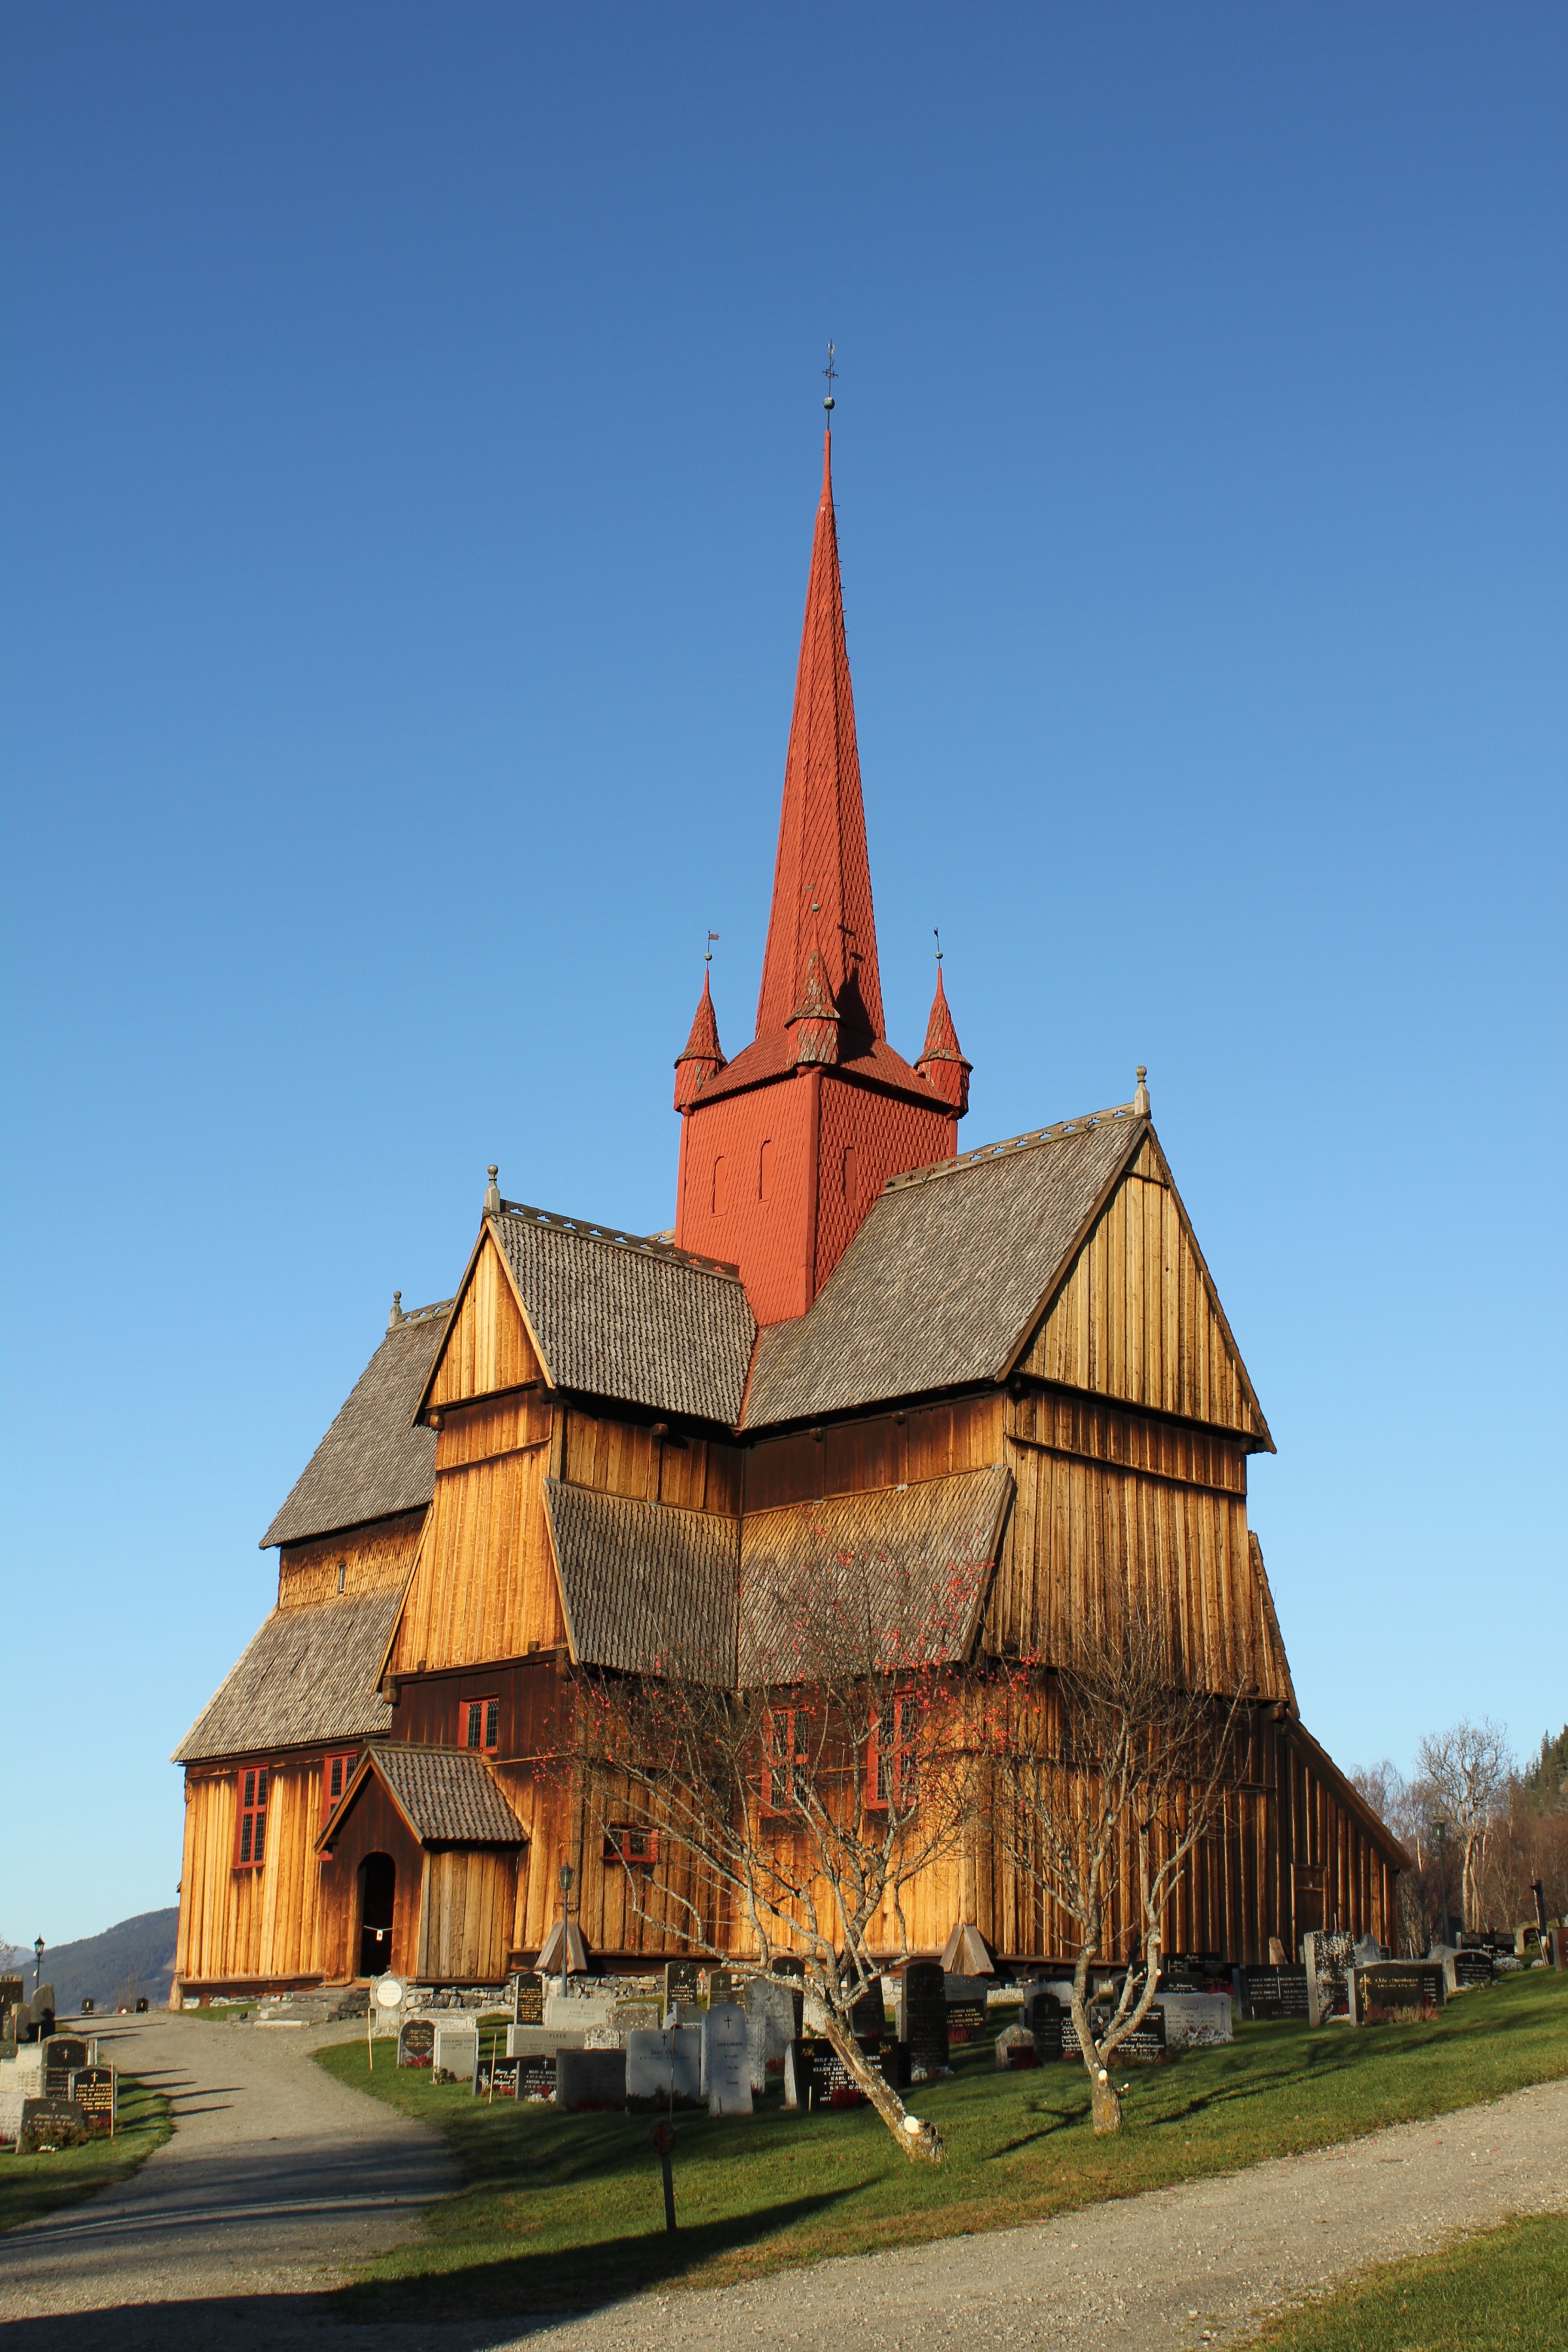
536	2077
891	2057
1468	1970
1042	2021
1197	2021
528	2004
816	2077
1397	1992
542	2041
1146	2046
88	2005
49	2124
1015	2051
63	2053
966	2021
637	2016
680	1982
417	2042
788	1964
665	2069
1330	1958
773	2021
1193	1972
497	2078
590	2082
1273	1993
726	2059
869	2013
578	2010
726	1984
922	2017
141	2004
94	2089
456	2052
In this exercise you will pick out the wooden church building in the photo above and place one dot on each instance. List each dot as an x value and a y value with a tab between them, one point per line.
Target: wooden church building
856	1336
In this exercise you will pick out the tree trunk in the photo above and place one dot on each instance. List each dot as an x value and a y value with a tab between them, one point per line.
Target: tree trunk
924	2143
1105	2105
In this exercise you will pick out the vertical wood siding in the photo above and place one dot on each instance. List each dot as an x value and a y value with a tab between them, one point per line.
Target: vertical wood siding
373	1560
487	1346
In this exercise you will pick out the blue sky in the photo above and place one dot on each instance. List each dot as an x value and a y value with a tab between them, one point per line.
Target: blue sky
411	447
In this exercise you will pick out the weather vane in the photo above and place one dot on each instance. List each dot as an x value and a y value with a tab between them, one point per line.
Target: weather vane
831	372
937	937
711	937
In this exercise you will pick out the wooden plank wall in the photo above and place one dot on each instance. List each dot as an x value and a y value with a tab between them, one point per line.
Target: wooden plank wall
885	1450
620	1457
373	1825
468	1899
486	1585
1136	1321
487	1347
250	1924
376	1558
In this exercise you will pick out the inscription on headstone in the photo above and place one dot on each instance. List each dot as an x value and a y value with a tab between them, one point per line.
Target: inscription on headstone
49	2125
665	2069
417	2042
726	2059
679	1981
1330	1958
1144	2046
456	2052
965	2021
815	2077
536	2076
1272	1993
922	2016
497	2078
530	2003
1397	1992
94	2088
63	2053
1470	1970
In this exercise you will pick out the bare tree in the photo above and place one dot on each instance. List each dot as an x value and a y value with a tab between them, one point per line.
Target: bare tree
1467	1770
1108	1774
795	1804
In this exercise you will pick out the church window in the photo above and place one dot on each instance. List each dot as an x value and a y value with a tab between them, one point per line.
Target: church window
765	1171
342	1573
720	1187
630	1843
337	1772
889	1757
254	1782
481	1725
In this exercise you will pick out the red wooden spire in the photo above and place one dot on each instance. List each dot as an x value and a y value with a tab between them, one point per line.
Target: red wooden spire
822	862
941	1064
704	1056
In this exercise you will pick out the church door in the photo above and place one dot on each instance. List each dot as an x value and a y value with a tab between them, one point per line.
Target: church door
378	1887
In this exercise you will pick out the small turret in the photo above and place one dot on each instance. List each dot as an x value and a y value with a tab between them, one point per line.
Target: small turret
941	1064
703	1058
813	1023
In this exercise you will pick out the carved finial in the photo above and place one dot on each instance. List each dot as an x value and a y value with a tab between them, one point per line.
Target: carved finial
397	1316
711	937
1140	1100
831	372
492	1193
937	937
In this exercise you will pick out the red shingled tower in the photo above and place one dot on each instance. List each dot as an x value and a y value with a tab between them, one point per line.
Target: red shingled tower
784	1149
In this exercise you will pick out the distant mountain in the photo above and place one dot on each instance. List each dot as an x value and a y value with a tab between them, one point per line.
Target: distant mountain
136	1957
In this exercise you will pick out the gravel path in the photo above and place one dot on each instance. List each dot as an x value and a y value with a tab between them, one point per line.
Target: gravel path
278	2179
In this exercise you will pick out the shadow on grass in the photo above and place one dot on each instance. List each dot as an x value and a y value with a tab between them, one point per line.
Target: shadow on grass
535	2289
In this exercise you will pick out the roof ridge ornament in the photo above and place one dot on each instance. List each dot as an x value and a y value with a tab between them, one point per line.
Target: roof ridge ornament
492	1193
397	1316
1140	1100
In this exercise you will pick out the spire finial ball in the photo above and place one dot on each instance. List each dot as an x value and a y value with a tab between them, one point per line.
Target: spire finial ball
1140	1100
492	1191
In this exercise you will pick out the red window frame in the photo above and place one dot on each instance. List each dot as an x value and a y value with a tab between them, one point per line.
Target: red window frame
253	1783
478	1725
780	1755
890	1759
337	1772
631	1843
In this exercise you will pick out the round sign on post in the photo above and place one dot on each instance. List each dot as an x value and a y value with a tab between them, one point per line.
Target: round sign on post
389	1992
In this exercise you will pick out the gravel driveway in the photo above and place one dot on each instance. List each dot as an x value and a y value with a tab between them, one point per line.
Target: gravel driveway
278	2178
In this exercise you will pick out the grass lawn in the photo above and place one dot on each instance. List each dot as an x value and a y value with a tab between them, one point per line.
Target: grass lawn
32	2185
1495	2293
560	2211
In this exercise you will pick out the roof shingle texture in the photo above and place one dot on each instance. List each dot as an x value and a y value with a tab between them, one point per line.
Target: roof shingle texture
449	1795
646	1589
943	1278
865	1583
617	1321
309	1675
371	1463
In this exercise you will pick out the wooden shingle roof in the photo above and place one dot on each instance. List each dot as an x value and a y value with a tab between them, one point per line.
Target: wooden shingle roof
371	1463
646	1589
947	1275
447	1795
309	1675
630	1320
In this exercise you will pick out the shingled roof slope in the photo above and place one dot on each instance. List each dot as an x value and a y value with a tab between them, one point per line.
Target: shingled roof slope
646	1589
371	1463
939	1284
895	1577
447	1795
637	1324
309	1675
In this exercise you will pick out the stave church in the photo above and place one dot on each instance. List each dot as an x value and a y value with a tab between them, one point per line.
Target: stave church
858	1337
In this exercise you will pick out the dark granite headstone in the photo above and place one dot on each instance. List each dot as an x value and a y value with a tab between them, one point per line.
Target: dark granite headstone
725	1984
590	2082
1146	2046
1271	1993
1042	2017
966	2021
499	2078
63	2053
788	1964
816	2077
141	2004
922	2015
868	2015
88	2005
93	2089
49	2124
893	2057
681	1981
529	2009
417	2042
1471	1968
1396	1993
536	2076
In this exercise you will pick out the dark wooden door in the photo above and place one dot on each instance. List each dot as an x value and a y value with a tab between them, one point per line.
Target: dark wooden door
378	1894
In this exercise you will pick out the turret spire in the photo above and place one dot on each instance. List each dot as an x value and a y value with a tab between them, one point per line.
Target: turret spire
941	1063
703	1058
822	828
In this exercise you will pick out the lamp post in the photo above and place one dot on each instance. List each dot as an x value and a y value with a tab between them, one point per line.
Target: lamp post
37	1965
1439	1833
566	1875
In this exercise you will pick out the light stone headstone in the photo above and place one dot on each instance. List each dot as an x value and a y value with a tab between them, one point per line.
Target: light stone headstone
540	2041
1197	2021
573	2009
774	2022
456	2051
665	2066
726	2059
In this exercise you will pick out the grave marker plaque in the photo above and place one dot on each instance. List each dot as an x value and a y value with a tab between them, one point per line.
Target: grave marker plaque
529	2007
869	2014
1197	2021
922	2015
63	2053
49	2124
1470	1968
1396	1993
94	2090
1273	1993
816	2077
1144	2047
679	1981
1330	1958
726	2059
456	2052
536	2077
590	2082
665	2069
966	2021
725	1984
497	2078
417	2042
1043	2019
